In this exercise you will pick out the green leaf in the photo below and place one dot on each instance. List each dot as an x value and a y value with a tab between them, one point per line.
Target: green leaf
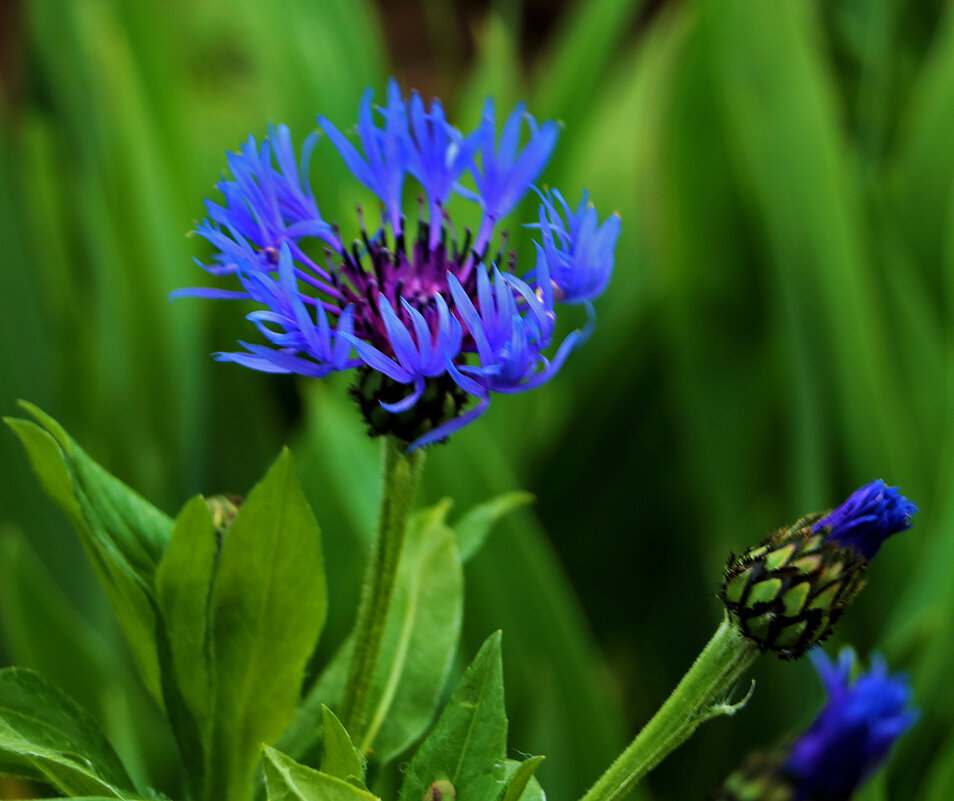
132	524
521	783
44	735
183	589
421	636
118	529
267	611
472	529
289	781
341	758
469	742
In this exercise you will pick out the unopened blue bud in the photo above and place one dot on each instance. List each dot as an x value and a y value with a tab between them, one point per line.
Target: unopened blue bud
869	516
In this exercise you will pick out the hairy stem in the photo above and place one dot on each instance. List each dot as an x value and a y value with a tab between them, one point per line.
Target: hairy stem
698	697
401	475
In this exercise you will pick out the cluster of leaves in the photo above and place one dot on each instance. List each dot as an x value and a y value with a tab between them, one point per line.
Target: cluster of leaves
223	617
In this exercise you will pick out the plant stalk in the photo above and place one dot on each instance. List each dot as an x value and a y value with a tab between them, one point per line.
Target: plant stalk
402	473
699	696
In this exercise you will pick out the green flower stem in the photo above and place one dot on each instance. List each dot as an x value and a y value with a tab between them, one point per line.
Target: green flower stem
401	475
696	699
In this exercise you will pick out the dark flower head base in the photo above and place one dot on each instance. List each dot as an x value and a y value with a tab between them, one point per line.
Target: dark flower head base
442	320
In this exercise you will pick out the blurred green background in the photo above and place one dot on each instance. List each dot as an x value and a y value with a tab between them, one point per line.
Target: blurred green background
780	329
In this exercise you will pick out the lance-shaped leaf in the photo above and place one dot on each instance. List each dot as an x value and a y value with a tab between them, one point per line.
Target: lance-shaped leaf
420	638
136	528
122	534
288	781
341	758
521	783
267	610
472	529
183	593
45	736
467	746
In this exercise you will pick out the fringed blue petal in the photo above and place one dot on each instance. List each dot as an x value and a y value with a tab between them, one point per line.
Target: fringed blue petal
580	252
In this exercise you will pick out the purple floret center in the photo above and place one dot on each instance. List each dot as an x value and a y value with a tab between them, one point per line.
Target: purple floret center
379	266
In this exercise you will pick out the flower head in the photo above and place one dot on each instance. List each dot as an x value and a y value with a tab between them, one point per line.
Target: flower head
853	733
441	323
871	514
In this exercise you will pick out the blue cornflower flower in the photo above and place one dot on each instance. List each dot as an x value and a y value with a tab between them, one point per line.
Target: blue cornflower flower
431	324
853	733
869	516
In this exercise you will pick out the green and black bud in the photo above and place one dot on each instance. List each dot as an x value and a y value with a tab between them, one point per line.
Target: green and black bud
442	400
760	778
787	593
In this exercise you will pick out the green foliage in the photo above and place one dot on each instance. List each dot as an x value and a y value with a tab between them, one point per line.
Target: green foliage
417	651
340	757
289	781
46	736
235	614
119	530
241	623
468	744
421	636
521	783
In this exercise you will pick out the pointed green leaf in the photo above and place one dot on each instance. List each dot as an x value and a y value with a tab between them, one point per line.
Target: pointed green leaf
468	744
421	636
48	464
341	758
59	463
520	778
267	611
183	589
472	529
288	781
132	524
46	736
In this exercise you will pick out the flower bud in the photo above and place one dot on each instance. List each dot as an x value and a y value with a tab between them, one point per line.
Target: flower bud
224	509
787	593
